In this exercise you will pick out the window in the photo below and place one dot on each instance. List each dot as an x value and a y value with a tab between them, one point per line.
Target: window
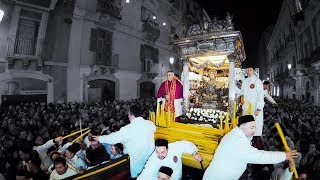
101	44
27	33
148	56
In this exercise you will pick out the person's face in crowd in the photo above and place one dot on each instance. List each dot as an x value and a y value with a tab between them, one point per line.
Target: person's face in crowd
69	154
39	140
161	151
113	150
312	148
250	71
266	86
303	176
94	144
60	168
24	123
162	176
21	177
24	156
23	135
170	76
248	128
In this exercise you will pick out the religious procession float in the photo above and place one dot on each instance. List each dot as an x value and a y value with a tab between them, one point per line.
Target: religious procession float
212	53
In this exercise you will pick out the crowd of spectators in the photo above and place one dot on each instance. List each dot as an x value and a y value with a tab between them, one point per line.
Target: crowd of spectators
31	136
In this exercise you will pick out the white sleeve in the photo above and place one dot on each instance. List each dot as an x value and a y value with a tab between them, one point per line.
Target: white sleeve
44	147
254	156
150	170
268	97
260	100
185	147
286	175
116	137
64	148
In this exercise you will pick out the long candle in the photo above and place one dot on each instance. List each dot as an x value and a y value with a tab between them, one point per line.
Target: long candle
286	147
72	134
250	109
80	136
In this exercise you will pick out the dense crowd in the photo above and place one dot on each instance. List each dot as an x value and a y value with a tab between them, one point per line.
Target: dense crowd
31	136
300	122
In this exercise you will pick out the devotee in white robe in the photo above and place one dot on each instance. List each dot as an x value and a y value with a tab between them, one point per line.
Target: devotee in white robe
137	138
168	155
235	152
165	173
252	90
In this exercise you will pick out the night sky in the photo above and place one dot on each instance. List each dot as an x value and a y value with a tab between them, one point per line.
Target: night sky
251	17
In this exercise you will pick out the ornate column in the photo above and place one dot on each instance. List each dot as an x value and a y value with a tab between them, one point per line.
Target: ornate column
186	85
232	83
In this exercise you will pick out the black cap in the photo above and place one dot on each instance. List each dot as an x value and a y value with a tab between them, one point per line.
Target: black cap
166	170
245	119
161	142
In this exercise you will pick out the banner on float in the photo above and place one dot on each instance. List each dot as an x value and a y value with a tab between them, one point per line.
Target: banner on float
33	92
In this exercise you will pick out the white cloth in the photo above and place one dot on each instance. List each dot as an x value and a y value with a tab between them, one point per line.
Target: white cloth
138	141
77	162
252	90
42	150
286	175
175	151
177	105
268	97
55	176
234	153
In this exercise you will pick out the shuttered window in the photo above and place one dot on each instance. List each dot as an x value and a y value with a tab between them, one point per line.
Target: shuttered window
101	44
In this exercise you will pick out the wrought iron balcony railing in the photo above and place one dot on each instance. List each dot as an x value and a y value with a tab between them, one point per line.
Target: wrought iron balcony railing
111	7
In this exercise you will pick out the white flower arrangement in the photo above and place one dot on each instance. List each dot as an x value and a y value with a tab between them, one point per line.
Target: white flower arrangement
207	115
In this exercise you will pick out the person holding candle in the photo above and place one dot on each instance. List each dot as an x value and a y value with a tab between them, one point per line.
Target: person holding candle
171	93
235	152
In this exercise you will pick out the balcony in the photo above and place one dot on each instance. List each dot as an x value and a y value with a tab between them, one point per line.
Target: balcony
111	7
26	49
151	30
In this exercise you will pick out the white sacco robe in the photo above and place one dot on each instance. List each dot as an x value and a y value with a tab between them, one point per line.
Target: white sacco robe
172	160
252	90
234	153
138	141
178	106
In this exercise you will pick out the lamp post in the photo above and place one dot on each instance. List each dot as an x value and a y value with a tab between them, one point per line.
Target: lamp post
1	14
289	66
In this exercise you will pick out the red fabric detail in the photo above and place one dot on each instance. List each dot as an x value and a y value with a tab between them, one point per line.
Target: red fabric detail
252	86
175	159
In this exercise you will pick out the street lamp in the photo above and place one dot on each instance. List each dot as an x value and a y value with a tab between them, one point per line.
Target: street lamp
289	66
171	60
1	14
127	1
